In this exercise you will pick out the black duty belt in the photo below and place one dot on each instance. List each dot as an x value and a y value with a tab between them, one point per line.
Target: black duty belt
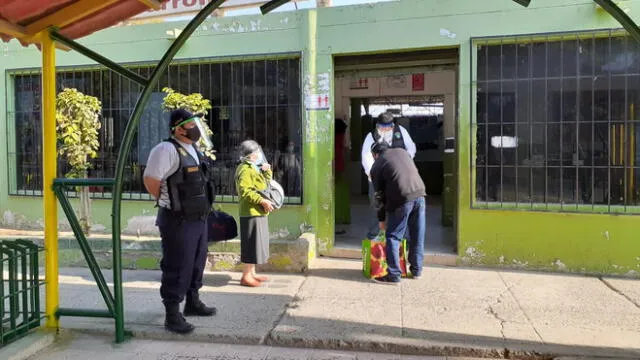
183	216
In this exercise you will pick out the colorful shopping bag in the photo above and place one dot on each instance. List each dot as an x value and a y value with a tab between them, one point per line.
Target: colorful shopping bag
374	259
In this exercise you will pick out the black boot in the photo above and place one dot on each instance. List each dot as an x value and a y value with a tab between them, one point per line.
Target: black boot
175	322
195	307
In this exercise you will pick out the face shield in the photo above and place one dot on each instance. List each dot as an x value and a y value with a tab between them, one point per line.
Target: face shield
202	137
204	143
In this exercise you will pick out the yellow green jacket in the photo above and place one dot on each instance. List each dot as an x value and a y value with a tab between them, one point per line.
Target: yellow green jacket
248	182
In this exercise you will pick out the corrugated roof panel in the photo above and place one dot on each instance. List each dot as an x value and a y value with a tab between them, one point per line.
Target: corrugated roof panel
19	16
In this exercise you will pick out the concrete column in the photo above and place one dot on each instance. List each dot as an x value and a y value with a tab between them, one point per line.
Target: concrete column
318	134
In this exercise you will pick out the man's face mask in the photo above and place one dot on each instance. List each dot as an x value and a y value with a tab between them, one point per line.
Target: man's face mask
386	133
290	148
193	133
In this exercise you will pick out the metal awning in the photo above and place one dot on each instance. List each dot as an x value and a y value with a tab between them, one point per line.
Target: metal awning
25	20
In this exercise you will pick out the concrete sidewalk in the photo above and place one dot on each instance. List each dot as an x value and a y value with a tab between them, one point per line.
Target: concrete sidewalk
448	312
82	347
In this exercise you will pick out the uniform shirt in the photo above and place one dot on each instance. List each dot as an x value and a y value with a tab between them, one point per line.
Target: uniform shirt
163	162
396	181
367	157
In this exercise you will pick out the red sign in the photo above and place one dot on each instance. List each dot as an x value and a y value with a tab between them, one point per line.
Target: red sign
359	84
417	81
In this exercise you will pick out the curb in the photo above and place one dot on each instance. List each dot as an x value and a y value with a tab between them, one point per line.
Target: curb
440	349
29	345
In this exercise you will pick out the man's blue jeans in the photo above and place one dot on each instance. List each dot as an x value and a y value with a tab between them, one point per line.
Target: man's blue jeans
411	216
373	229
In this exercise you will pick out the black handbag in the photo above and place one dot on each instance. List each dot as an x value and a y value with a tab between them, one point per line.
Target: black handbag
221	226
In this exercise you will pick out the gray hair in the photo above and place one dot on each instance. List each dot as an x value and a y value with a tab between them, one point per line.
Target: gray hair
247	148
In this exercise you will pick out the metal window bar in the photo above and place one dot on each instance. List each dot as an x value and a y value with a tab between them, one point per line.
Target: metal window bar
546	125
530	120
593	122
515	127
576	150
486	127
103	83
501	161
568	187
625	138
560	115
20	290
609	57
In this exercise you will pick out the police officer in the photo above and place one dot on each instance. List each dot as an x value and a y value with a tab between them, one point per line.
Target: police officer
395	136
177	176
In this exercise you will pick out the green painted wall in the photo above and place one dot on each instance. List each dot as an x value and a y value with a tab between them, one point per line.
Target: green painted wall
578	242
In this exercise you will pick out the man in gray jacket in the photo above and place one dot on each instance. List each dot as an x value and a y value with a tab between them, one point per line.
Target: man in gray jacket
400	204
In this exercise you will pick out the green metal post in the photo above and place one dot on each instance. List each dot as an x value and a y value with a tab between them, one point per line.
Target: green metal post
84	313
614	10
125	149
34	308
2	309
99	58
84	246
20	255
13	292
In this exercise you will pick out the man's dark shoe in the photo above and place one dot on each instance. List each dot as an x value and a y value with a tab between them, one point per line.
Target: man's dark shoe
387	280
195	307
175	322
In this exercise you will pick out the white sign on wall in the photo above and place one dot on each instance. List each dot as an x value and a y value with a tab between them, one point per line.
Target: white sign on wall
317	101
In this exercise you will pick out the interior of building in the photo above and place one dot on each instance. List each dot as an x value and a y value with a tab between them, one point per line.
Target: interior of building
419	89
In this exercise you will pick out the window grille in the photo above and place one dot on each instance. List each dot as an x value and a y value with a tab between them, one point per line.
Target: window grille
257	99
557	123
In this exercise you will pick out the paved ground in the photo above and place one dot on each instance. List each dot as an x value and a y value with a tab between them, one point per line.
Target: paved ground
449	311
82	347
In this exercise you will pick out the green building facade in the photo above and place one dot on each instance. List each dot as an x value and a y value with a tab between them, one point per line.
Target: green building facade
542	165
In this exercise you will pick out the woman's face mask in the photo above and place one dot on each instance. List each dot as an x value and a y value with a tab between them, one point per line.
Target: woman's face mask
257	159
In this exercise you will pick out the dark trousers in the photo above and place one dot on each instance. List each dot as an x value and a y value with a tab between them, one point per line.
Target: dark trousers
411	216
184	255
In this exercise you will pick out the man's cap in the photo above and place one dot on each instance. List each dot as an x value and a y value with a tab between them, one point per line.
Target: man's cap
178	116
385	119
379	147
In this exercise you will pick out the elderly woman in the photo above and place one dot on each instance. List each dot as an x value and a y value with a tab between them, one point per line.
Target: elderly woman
253	175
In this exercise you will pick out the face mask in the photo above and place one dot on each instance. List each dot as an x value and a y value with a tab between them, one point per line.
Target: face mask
290	148
259	161
387	136
193	134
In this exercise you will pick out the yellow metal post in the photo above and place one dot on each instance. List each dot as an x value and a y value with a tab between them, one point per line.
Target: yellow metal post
49	159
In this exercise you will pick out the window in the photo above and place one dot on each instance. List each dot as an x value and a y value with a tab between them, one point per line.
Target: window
557	124
257	100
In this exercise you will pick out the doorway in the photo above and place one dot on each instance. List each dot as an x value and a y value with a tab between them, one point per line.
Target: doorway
423	101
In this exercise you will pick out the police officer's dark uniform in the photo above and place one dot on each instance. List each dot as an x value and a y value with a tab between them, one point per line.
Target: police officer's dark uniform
186	197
